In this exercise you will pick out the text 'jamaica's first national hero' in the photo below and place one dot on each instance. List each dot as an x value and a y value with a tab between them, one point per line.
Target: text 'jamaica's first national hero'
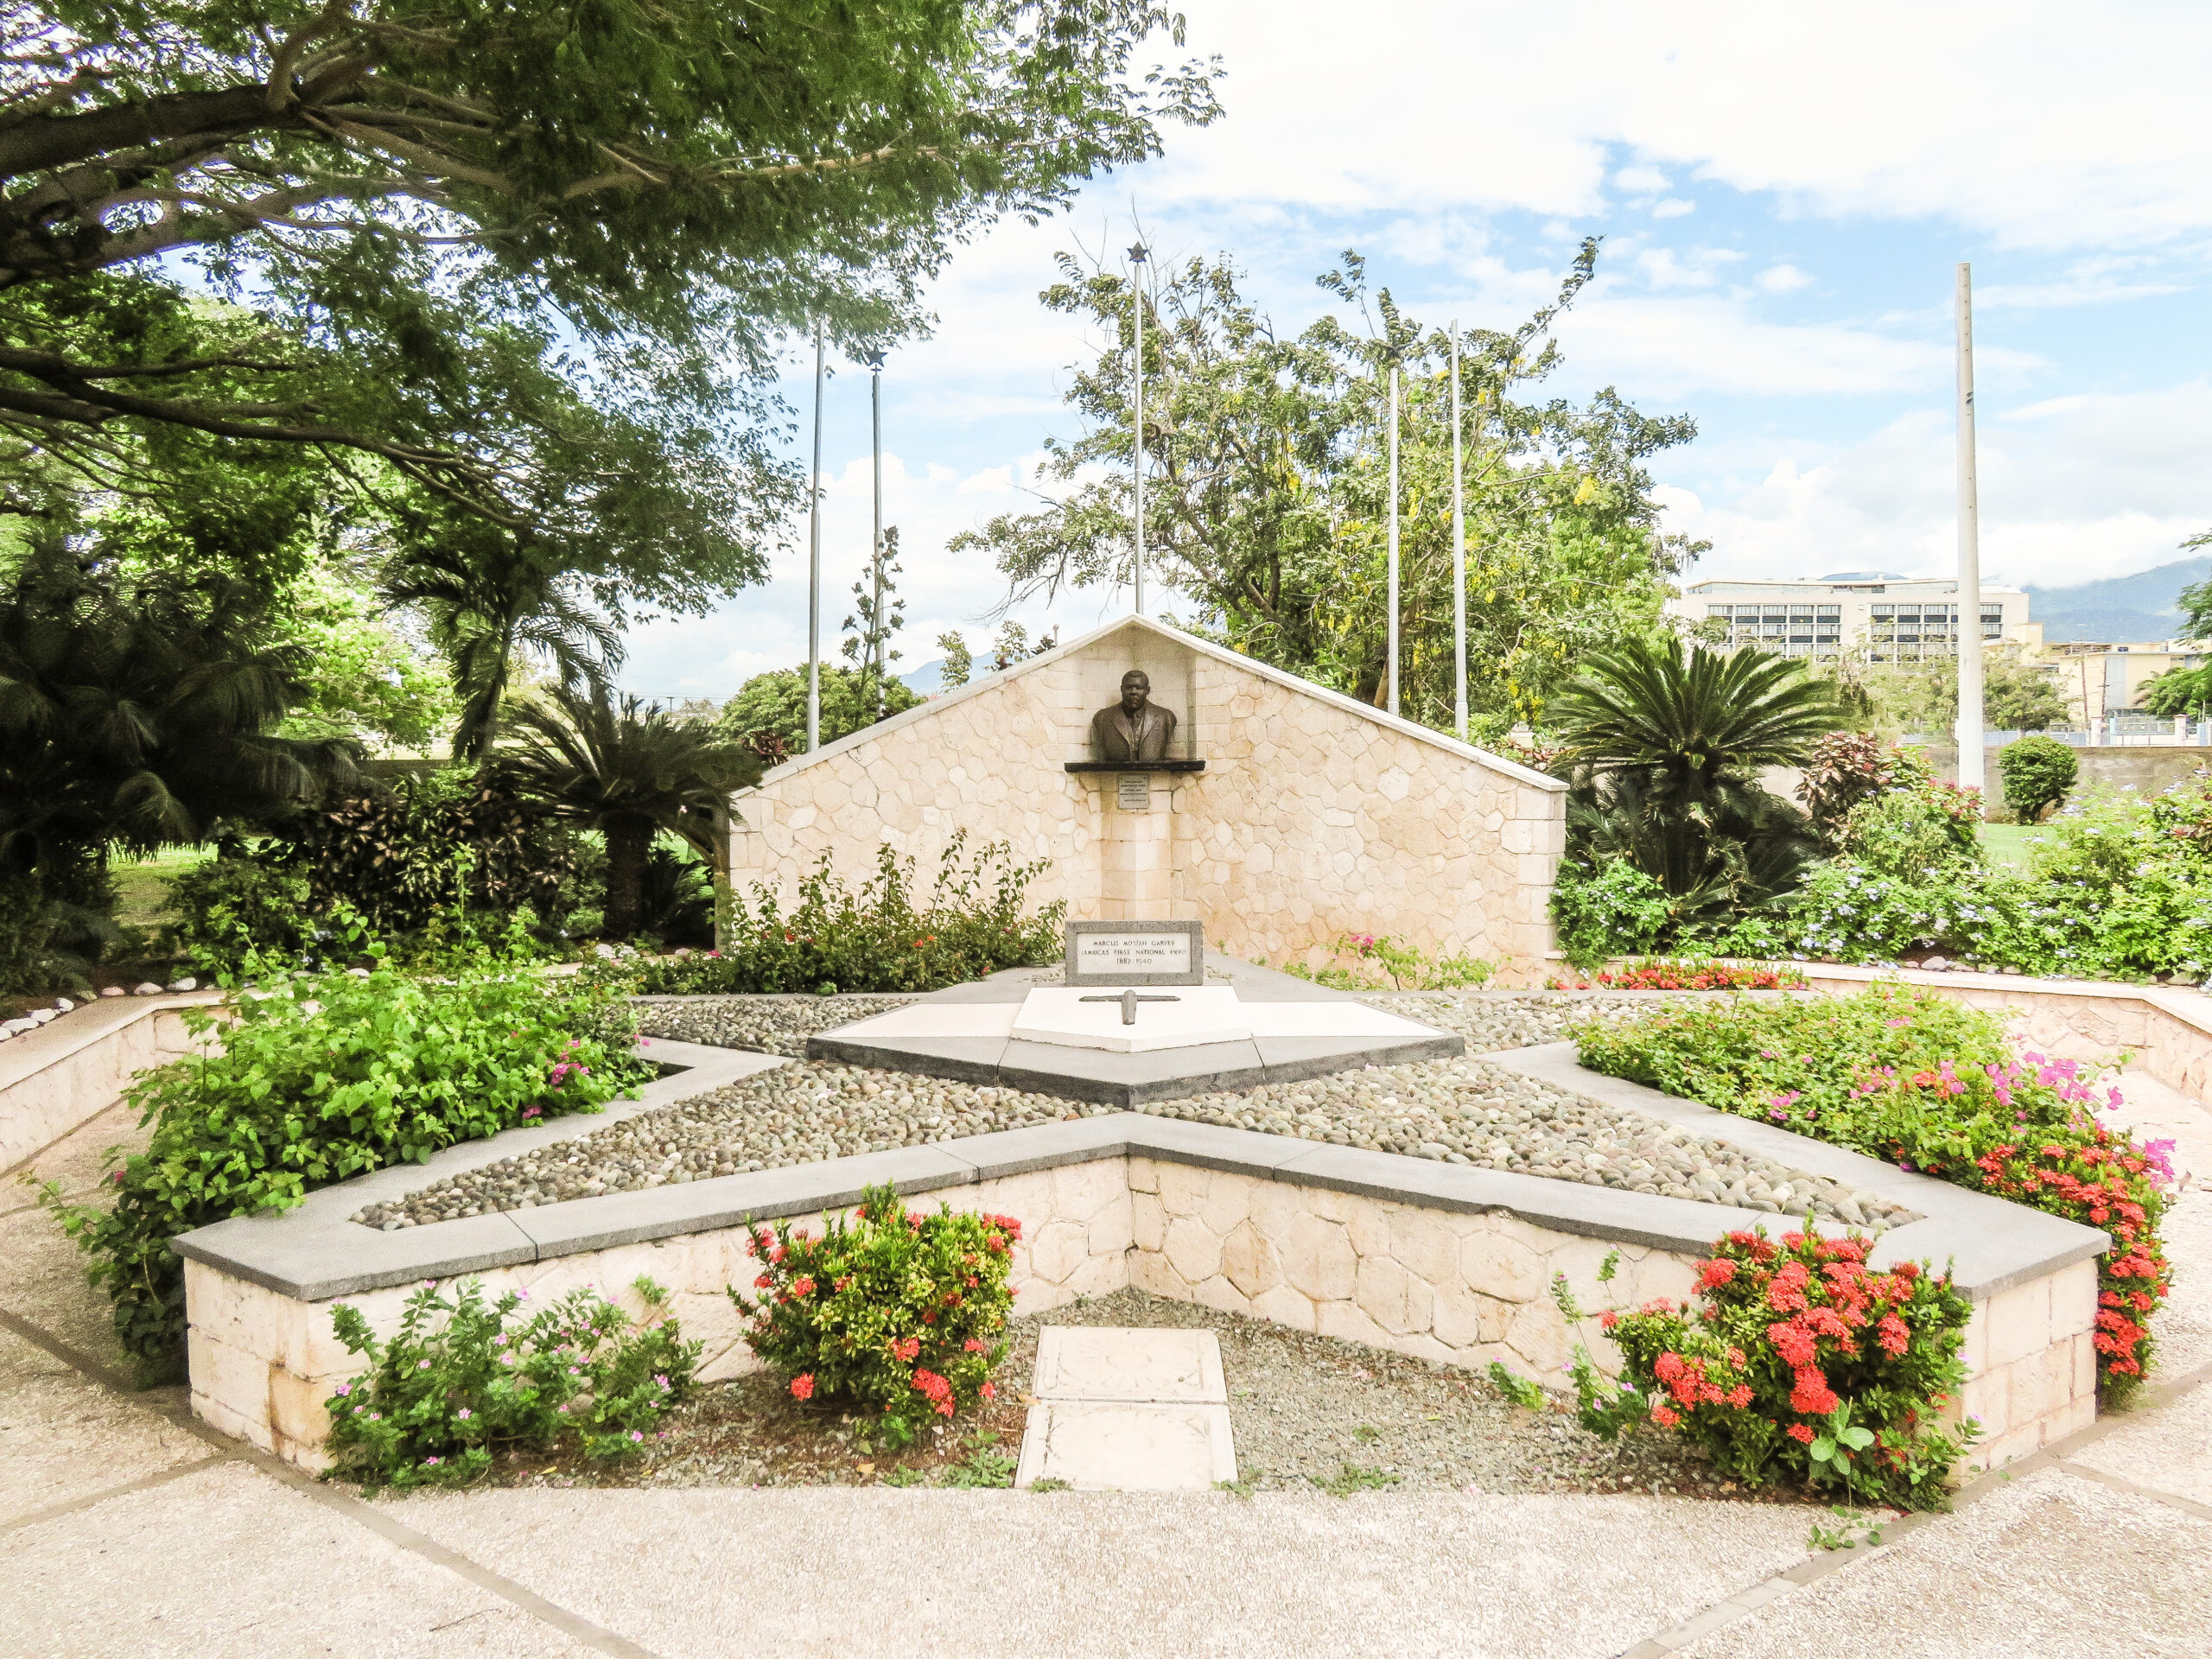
1135	730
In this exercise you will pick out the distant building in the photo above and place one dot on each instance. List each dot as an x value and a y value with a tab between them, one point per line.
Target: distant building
1894	619
2103	678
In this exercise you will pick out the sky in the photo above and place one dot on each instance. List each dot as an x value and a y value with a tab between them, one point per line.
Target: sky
1783	194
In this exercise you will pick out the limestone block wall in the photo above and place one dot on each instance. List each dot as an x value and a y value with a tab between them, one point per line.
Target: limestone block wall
2032	1367
65	1074
1314	816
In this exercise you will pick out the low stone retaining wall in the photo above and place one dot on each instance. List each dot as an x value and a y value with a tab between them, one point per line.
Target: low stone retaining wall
1447	1262
60	1077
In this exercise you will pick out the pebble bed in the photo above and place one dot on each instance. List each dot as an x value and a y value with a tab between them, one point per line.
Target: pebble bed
1461	1111
769	1025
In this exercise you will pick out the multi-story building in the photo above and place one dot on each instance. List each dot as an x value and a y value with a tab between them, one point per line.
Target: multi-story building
1894	619
2102	677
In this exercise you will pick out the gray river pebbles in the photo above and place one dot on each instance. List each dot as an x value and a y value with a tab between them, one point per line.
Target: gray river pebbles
1461	1111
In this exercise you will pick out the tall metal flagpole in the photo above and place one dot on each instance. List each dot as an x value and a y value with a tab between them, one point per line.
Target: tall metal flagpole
1459	555
814	564
1137	256
1394	534
875	547
1972	756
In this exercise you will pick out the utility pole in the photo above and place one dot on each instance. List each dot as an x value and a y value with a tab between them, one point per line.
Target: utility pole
1138	255
1393	688
814	564
1972	757
1459	555
876	663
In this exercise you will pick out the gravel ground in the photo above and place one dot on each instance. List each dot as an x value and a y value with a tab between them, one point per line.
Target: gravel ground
1305	1411
1462	1111
769	1025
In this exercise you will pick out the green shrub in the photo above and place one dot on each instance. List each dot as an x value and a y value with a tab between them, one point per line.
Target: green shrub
322	1077
1917	1080
902	1314
1612	910
224	909
875	939
404	856
1395	966
1912	834
459	1381
1849	768
2037	772
30	922
1803	1364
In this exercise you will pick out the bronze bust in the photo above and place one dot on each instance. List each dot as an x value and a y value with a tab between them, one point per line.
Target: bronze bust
1135	731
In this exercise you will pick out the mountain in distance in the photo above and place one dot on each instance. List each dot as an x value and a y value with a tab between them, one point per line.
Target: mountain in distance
927	680
2118	609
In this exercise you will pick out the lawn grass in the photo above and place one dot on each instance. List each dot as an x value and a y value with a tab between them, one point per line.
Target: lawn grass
2007	843
142	898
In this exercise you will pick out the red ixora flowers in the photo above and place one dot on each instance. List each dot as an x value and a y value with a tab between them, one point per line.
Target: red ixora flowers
802	1386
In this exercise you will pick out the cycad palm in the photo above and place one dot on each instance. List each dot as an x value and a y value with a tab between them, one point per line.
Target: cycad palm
628	771
1665	744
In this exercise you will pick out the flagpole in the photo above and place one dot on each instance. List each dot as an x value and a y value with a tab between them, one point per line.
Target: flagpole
814	564
1393	693
1972	756
1459	555
1137	256
875	547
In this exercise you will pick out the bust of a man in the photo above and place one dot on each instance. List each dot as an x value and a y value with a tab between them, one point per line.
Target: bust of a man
1135	730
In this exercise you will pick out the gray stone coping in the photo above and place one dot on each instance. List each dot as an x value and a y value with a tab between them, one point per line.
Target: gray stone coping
314	1252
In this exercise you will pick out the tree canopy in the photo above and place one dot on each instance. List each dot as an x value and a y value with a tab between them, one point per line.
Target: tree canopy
1266	498
504	250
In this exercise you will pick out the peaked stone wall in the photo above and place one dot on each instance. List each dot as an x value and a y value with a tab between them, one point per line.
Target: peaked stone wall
1313	816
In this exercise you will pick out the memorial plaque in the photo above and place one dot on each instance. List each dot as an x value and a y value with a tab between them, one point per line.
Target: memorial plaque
1133	791
1136	953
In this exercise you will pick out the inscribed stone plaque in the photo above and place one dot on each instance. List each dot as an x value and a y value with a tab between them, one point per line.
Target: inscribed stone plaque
1133	791
1136	953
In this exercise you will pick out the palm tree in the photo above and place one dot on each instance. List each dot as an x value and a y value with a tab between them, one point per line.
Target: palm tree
1663	745
628	770
489	599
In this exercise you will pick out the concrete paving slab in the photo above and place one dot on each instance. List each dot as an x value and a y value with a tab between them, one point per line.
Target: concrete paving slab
2052	1565
64	1437
42	1280
228	1564
800	1574
2169	1450
1115	1362
1120	1447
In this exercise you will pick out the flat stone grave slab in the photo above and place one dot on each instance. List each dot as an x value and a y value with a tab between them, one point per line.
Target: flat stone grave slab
1128	1411
1261	1026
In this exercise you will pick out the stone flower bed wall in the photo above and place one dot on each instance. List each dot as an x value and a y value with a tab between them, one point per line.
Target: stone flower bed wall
1446	1262
63	1076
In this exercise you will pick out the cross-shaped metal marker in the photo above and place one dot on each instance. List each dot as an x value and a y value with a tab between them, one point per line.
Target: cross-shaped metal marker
1128	999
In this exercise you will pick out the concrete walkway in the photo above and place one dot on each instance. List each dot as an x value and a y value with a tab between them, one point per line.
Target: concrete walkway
128	1529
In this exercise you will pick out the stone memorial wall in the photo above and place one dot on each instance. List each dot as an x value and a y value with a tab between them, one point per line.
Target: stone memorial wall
1314	815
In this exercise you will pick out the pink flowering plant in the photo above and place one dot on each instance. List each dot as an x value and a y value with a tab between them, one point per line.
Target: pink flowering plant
1910	1078
465	1378
902	1312
1803	1363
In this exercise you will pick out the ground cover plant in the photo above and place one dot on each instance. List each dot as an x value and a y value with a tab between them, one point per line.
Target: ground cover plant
1688	974
317	1077
1803	1363
901	1314
463	1380
1378	963
1928	1084
874	937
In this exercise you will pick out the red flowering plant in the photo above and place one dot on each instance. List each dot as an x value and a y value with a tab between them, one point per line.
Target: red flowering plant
902	1311
1936	1088
1688	974
1803	1363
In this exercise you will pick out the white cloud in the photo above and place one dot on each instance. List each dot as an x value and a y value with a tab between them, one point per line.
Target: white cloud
1783	279
1640	180
2039	123
2070	490
1673	207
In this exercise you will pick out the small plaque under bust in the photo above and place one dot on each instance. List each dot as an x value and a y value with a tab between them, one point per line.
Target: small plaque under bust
1133	792
1136	953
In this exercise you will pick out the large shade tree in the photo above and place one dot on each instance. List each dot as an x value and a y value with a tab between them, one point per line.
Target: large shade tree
1267	504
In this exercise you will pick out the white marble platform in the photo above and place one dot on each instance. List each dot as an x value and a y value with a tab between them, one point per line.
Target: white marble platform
1200	1014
